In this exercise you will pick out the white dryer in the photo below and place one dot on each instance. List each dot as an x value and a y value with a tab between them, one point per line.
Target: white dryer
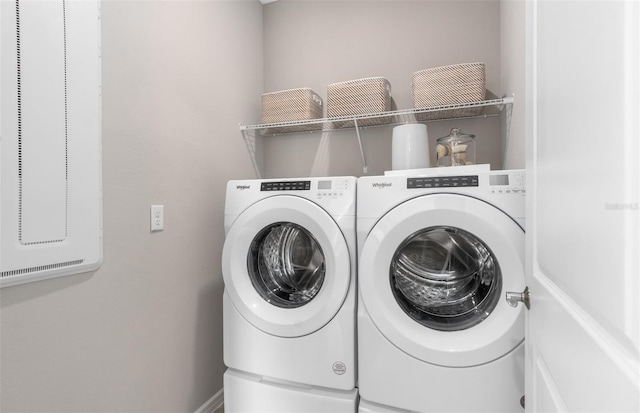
437	252
289	303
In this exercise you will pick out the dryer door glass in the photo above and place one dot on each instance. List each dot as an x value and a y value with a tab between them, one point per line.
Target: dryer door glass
445	278
286	265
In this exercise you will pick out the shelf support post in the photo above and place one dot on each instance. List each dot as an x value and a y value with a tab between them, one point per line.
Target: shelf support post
364	161
250	142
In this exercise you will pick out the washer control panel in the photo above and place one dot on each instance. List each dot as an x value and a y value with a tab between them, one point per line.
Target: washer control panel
507	183
327	188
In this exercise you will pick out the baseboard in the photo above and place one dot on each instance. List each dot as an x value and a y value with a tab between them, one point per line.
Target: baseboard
214	403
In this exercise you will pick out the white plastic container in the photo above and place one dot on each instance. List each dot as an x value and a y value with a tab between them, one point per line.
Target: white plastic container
410	147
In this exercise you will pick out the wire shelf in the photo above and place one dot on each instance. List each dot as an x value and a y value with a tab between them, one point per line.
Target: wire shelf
489	108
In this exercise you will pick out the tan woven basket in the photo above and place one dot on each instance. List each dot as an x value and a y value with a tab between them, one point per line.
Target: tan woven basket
359	97
290	106
449	85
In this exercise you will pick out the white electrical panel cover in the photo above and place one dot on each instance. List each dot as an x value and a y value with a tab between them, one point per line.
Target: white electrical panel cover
50	146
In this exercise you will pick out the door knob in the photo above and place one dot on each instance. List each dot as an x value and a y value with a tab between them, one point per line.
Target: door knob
514	298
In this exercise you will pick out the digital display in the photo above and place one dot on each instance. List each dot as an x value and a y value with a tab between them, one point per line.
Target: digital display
324	184
498	179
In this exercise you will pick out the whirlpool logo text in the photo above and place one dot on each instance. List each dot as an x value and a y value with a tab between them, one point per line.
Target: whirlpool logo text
243	187
381	185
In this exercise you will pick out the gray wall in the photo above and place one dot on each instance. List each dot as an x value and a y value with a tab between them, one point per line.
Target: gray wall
313	44
143	333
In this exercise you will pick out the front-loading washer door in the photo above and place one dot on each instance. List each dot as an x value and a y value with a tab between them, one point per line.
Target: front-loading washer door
286	266
432	276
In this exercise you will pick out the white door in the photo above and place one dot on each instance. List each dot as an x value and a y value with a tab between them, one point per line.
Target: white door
583	248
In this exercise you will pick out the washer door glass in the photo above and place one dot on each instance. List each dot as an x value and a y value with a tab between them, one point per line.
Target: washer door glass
286	265
445	278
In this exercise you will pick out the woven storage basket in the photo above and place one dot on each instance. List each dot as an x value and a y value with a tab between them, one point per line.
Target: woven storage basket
449	85
359	97
290	106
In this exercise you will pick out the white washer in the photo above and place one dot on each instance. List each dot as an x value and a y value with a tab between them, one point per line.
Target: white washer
289	303
437	252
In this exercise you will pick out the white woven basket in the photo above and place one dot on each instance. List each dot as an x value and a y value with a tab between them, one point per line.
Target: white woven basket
292	105
449	85
359	97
